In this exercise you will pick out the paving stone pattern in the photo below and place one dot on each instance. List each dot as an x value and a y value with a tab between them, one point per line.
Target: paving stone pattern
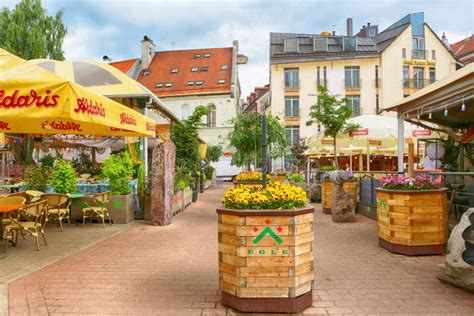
172	270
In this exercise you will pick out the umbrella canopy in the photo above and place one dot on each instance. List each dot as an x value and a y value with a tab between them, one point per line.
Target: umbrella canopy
36	101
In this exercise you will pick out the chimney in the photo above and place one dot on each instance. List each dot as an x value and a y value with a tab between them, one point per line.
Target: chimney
349	26
368	24
444	39
107	59
148	52
333	33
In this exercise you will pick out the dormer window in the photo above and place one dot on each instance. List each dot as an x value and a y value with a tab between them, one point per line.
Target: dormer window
207	55
199	83
190	83
224	67
204	69
221	81
194	69
174	70
197	55
159	85
169	84
291	45
146	73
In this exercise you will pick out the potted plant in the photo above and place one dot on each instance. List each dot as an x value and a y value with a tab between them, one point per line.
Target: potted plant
63	179
412	214
351	185
118	168
36	178
250	178
297	180
266	249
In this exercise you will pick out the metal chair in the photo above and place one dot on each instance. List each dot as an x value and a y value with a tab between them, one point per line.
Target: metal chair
58	208
96	206
34	226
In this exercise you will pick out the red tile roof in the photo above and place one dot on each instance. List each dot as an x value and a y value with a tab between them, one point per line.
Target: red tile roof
463	47
163	62
124	65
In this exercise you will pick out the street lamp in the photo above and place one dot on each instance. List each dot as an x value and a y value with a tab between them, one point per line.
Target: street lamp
264	150
201	177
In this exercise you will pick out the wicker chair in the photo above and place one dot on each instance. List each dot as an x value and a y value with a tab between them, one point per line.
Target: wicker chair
58	208
11	199
96	206
34	226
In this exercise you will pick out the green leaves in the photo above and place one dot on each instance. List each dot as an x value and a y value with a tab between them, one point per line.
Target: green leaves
64	178
213	153
118	168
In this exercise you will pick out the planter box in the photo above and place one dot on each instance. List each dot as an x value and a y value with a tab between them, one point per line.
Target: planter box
207	184
412	222
299	184
279	178
266	259
187	197
121	208
177	203
352	187
250	184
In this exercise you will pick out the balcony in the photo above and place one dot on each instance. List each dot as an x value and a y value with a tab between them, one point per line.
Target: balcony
292	85
415	83
352	84
418	54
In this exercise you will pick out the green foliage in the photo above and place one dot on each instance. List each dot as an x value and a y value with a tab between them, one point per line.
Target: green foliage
185	136
246	137
327	168
48	161
209	171
296	177
64	178
118	168
213	153
331	112
183	179
29	32
83	165
36	178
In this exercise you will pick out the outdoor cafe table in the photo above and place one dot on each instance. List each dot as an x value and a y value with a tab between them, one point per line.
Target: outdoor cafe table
5	210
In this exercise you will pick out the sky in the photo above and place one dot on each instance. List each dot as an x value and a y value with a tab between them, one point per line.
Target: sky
115	27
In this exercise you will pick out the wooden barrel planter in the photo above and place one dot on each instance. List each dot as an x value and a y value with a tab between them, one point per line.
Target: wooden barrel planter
266	259
351	186
249	184
412	222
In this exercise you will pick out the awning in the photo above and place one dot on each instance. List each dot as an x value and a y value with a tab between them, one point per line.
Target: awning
36	101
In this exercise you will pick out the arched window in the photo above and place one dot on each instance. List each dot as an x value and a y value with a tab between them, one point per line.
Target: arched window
185	111
211	117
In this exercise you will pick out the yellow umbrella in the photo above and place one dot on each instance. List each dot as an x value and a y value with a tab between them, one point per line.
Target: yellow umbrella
36	101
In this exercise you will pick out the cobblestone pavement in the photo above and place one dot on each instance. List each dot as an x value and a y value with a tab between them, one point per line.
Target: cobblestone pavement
173	270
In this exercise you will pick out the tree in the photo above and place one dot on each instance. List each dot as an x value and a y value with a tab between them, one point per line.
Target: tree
213	153
331	112
298	151
29	32
246	137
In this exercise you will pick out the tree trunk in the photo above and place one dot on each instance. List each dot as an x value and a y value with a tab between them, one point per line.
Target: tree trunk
23	151
336	165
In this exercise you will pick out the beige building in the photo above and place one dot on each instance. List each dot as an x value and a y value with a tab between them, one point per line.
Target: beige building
372	70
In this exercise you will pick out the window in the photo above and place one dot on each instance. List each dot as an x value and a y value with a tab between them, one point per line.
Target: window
211	117
320	44
404	53
221	81
292	106
377	104
432	74
351	78
190	83
418	48
146	73
194	69
318	77
207	55
197	55
199	83
406	76
292	135
418	77
185	111
169	84
291	78
174	70
159	85
349	43
433	54
224	67
376	76
325	77
204	69
353	101
372	31
290	45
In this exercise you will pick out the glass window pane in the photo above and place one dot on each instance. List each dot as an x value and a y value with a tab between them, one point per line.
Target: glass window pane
287	107
296	107
288	137
296	136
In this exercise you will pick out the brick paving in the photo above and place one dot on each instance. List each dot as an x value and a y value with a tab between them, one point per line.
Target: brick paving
172	270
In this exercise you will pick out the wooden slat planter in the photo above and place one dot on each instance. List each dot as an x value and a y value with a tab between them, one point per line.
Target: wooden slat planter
251	184
412	222
266	259
352	187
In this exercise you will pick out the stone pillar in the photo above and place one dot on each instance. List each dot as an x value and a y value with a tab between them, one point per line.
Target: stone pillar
162	183
342	203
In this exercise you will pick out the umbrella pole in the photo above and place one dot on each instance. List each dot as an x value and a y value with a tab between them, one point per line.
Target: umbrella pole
368	156
350	162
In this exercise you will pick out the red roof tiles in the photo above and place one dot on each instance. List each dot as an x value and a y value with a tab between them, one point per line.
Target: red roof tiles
124	65
463	47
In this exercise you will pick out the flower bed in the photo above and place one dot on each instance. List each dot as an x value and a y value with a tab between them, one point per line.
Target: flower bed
412	215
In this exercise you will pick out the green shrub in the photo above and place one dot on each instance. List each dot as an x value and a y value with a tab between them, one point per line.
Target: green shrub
63	178
183	179
296	177
36	178
209	171
118	168
327	168
48	161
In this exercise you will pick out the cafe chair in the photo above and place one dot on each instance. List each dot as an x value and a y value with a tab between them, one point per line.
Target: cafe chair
22	194
10	200
96	206
58	208
34	226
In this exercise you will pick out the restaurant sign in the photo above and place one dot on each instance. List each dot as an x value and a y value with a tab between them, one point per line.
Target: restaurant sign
360	132
421	132
419	62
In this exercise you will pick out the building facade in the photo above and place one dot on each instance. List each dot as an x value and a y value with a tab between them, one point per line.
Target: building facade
186	79
258	101
371	70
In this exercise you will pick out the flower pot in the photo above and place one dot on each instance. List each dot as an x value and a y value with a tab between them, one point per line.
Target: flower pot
350	186
194	196
412	222
266	259
121	208
251	184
